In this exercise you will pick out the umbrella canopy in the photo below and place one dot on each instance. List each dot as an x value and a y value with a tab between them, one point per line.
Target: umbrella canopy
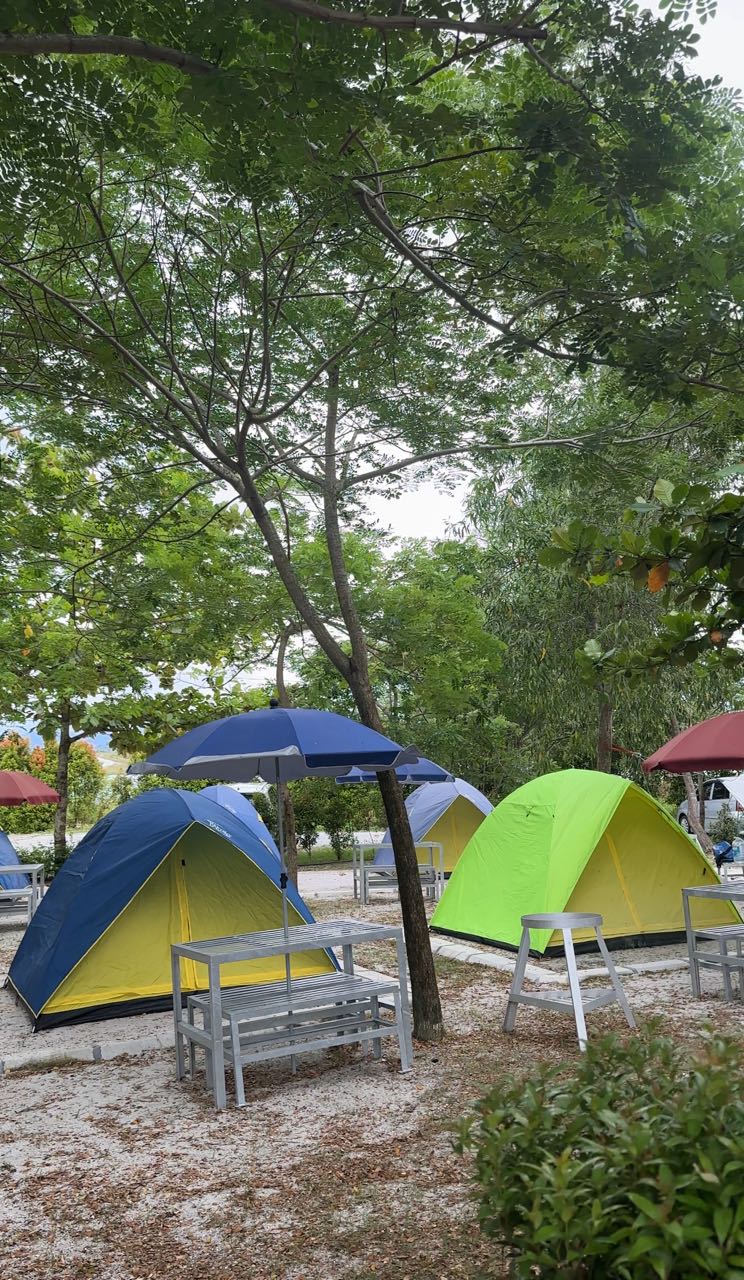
23	788
712	744
409	775
278	744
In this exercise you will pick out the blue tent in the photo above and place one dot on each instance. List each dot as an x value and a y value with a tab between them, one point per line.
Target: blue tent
164	867
447	813
244	809
9	858
408	775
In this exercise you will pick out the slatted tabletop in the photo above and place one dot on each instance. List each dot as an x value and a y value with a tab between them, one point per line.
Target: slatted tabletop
727	890
308	937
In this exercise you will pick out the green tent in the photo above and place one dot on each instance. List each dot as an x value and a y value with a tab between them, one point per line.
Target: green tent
577	841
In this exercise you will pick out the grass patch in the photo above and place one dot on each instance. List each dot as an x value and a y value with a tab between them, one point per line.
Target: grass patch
323	856
62	1062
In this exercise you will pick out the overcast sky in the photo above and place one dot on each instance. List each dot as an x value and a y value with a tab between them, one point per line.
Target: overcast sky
429	510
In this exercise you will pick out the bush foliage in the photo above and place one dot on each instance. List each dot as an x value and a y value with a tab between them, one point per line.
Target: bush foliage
628	1167
320	805
46	855
725	827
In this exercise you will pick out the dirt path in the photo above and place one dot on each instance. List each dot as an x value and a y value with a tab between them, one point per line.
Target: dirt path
343	1172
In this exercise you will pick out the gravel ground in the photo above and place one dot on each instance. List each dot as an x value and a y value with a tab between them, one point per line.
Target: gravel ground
113	1171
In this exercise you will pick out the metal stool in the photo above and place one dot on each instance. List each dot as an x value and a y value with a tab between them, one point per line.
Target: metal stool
565	1001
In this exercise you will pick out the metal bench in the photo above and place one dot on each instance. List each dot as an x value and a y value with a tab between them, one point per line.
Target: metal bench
370	875
268	1021
731	871
23	899
725	935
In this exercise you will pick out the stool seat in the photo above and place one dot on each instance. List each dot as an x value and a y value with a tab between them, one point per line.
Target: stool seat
571	1000
563	920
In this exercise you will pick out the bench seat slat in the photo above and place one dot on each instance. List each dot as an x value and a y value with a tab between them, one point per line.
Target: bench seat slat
247	999
715	932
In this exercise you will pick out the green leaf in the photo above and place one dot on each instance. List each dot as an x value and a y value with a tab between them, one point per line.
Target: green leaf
664	492
722	1220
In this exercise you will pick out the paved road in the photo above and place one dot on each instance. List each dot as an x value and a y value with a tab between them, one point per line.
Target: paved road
326	882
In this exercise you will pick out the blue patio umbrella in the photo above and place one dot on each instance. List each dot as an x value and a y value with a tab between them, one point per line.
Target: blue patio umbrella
278	744
409	775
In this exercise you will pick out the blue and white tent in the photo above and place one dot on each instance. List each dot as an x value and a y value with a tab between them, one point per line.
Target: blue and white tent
9	858
447	813
167	866
243	808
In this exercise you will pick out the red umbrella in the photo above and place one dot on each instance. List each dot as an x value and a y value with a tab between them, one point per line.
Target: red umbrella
712	744
22	788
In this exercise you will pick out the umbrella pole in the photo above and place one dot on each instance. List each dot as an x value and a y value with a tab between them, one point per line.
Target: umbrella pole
283	876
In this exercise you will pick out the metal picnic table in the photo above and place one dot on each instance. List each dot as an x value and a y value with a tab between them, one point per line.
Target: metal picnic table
724	935
384	875
219	1005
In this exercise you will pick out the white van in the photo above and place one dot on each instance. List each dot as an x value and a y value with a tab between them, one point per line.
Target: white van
718	793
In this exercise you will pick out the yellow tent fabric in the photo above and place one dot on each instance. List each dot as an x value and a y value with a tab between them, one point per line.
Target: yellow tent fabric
203	888
443	813
577	840
453	831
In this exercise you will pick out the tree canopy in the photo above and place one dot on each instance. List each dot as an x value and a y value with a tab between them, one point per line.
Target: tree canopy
115	576
311	252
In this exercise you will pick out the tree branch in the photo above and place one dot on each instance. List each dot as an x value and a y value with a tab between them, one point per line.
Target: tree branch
408	21
507	446
427	164
333	536
17	46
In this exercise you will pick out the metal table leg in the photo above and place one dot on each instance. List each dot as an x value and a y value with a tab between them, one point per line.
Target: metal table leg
377	1042
723	952
694	966
405	1006
512	1005
616	983
218	1048
237	1066
575	987
177	1015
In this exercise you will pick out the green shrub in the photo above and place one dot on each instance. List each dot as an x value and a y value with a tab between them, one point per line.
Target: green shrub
725	827
627	1167
43	853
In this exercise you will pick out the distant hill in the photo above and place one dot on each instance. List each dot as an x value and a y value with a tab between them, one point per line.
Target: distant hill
111	763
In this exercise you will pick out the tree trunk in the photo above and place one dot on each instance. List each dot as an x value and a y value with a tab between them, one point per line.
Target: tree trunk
427	1008
604	732
61	786
701	800
695	817
695	814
